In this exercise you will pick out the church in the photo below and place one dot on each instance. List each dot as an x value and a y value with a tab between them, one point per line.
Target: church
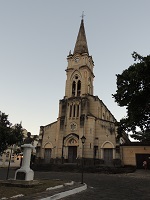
81	116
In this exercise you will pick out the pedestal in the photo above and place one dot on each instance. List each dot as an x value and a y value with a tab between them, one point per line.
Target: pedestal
25	173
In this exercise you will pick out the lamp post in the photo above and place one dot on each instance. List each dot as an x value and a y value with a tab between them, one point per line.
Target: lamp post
9	162
83	138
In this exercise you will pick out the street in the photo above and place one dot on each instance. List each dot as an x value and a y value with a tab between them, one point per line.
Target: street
102	186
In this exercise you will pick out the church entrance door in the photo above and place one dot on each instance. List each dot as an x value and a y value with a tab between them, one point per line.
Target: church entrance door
72	154
108	156
47	155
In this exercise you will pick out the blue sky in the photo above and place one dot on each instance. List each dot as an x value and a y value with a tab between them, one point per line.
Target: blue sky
36	37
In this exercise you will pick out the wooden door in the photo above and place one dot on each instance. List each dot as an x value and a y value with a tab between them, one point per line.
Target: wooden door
108	156
72	154
47	155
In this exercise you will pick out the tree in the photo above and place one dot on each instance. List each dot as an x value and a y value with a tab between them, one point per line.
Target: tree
133	92
142	136
9	134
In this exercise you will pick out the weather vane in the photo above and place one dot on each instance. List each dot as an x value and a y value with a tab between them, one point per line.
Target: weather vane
82	15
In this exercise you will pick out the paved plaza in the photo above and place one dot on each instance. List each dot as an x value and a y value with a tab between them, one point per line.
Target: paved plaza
102	186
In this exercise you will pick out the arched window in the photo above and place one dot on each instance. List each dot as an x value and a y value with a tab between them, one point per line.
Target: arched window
77	110
76	86
79	88
74	110
73	88
70	110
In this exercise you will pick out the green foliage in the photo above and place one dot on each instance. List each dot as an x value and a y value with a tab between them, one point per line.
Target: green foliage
142	136
133	92
9	134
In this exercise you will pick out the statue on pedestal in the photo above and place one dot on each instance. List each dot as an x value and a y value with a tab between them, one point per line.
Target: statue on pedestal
28	140
25	173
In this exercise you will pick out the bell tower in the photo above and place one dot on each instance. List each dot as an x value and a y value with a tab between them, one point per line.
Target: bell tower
80	68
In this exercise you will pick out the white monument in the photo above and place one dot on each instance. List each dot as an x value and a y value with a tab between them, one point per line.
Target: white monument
25	172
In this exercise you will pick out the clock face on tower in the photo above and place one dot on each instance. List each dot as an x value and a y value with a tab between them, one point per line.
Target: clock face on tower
76	59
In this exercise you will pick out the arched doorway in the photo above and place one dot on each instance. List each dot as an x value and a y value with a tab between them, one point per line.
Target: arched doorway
108	153
71	141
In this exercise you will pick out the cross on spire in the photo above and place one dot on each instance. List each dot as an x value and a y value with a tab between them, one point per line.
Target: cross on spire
82	16
81	43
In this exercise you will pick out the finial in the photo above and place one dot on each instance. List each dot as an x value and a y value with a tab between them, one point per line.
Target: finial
82	16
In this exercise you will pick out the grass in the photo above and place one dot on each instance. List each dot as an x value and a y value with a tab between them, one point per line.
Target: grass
9	191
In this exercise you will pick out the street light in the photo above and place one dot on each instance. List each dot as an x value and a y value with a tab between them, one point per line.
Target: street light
83	138
9	162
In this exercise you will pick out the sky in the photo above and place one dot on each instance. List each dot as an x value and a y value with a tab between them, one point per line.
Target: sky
36	37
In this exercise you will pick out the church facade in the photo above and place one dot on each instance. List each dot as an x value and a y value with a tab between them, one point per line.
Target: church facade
80	114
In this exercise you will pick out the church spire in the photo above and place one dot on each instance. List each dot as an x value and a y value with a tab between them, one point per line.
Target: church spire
81	43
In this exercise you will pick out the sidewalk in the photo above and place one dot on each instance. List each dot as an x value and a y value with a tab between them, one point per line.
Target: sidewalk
59	193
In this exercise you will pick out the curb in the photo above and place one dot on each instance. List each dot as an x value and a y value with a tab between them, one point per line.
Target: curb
60	186
66	193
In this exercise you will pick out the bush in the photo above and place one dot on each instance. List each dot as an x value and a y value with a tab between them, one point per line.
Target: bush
117	162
